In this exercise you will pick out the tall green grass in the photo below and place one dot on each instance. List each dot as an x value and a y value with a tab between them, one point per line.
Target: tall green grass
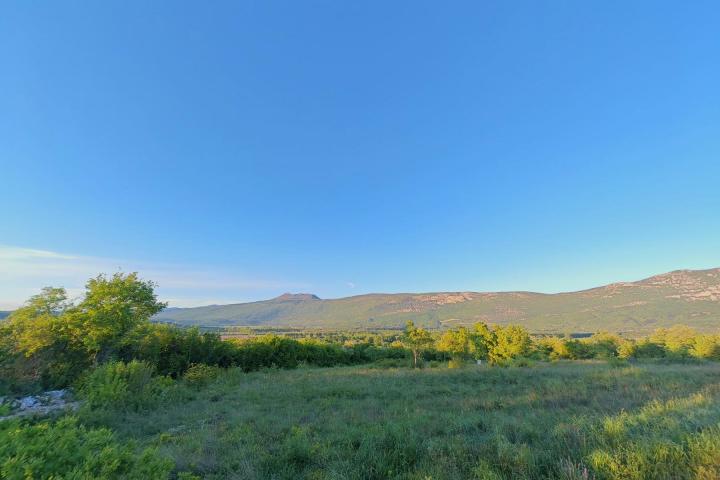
562	420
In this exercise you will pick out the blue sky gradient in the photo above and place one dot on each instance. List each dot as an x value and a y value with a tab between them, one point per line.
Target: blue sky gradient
237	150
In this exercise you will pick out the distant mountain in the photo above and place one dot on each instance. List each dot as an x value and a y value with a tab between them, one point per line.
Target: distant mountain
690	297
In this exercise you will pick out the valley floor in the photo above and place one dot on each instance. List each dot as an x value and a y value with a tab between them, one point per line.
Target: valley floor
562	420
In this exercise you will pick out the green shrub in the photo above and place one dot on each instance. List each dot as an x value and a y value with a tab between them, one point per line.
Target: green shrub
642	349
199	375
706	346
64	449
127	386
578	350
173	350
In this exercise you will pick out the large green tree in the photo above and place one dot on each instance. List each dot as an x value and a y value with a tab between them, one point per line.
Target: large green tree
111	309
51	340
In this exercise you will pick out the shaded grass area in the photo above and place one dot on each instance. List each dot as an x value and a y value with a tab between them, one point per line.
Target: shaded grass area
563	420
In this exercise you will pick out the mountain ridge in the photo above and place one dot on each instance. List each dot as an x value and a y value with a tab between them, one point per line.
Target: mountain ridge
685	296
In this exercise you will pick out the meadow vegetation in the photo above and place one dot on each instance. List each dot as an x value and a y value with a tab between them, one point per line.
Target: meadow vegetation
569	420
159	401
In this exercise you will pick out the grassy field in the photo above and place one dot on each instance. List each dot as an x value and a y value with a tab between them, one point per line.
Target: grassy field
562	420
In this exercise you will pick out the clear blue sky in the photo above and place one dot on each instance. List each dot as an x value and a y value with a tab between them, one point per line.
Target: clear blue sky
236	150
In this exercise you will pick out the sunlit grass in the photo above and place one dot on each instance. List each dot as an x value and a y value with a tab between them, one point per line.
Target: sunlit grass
550	421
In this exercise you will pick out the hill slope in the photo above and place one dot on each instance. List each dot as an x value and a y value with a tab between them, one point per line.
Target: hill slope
691	297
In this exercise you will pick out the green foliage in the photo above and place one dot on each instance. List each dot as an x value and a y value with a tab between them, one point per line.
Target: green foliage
482	340
173	350
416	340
283	352
456	342
554	348
499	344
605	345
64	449
706	346
128	386
50	342
511	341
35	326
111	309
199	375
676	340
642	349
38	346
579	350
678	343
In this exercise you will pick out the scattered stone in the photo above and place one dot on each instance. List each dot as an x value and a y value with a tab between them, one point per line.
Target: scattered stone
56	394
41	404
29	402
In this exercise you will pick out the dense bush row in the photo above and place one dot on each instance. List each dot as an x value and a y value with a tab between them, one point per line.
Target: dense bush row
505	344
174	350
50	342
677	342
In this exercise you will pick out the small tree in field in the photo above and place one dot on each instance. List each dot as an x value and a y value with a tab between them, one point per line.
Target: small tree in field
416	339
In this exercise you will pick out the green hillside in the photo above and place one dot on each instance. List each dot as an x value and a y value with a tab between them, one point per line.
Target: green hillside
690	297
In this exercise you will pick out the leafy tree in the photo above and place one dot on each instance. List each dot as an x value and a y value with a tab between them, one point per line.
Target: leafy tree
416	340
111	309
511	341
556	348
39	344
482	340
604	344
644	348
627	349
677	339
456	343
579	350
706	346
38	324
52	341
